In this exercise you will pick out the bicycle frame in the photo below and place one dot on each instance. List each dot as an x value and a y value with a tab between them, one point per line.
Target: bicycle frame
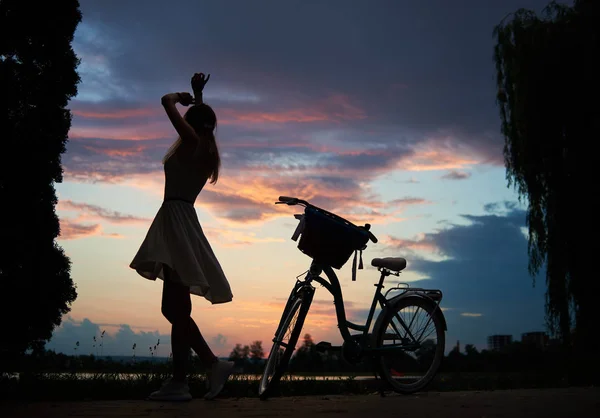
333	287
363	344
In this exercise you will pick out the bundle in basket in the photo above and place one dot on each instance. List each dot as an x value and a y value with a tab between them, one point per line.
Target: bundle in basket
330	239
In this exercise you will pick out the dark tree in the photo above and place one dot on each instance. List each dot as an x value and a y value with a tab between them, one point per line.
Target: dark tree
547	76
236	353
239	354
245	351
256	350
471	350
37	78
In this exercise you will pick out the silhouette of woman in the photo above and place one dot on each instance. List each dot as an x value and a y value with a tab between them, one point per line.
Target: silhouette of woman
175	249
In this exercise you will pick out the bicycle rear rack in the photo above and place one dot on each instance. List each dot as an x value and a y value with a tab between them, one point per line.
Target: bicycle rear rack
434	295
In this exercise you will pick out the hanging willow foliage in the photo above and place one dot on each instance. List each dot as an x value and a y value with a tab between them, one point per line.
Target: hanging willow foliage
546	79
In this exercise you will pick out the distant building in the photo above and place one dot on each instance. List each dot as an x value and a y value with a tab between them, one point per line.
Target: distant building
497	342
537	338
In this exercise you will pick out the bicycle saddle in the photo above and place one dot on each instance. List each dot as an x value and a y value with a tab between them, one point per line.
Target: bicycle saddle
391	263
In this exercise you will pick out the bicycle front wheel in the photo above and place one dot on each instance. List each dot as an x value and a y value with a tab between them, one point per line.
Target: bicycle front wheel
410	341
285	341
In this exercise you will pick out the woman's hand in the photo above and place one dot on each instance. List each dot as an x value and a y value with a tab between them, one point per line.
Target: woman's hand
198	83
185	99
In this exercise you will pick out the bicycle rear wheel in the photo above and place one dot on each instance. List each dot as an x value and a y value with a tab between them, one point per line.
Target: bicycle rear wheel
414	330
285	341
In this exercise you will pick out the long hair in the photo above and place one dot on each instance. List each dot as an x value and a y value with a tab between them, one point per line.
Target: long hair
204	121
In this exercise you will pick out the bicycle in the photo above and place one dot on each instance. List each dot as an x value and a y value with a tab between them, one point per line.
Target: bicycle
330	240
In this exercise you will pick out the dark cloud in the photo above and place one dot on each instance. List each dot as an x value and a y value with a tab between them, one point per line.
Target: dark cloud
423	67
367	162
456	175
501	207
484	272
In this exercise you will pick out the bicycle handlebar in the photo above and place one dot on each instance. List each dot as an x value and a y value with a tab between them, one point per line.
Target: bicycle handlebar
291	201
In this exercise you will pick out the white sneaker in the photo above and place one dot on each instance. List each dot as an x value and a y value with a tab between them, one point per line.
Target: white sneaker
220	372
172	391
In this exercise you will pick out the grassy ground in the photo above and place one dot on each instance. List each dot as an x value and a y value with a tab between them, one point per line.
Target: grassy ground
115	386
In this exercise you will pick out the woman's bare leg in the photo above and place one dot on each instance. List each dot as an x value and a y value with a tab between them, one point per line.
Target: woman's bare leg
199	345
177	307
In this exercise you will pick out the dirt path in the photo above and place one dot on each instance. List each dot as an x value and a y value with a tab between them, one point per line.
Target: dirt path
575	402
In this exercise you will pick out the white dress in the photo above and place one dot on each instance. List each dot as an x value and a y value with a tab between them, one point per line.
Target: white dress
176	239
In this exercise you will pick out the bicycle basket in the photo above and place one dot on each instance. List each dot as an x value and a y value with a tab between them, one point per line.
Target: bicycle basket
330	239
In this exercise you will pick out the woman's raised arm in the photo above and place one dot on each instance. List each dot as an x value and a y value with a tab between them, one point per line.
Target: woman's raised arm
184	129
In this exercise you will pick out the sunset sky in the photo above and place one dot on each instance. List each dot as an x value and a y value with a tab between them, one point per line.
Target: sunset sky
382	111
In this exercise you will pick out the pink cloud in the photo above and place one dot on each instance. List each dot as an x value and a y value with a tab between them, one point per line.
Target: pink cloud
141	132
335	108
70	230
239	199
231	116
335	177
436	159
420	243
88	218
227	237
410	201
118	113
74	230
243	201
89	212
126	152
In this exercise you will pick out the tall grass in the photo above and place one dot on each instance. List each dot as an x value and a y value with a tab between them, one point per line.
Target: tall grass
105	386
